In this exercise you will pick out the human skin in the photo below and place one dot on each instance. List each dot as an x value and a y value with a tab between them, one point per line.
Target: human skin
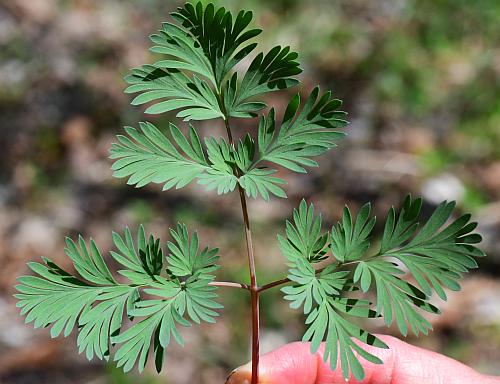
403	364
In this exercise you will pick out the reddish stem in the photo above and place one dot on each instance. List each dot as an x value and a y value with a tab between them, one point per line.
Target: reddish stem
254	288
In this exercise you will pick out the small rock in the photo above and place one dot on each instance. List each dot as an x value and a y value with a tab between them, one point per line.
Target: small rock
443	187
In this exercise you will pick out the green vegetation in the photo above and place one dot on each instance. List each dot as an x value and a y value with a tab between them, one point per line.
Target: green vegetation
163	287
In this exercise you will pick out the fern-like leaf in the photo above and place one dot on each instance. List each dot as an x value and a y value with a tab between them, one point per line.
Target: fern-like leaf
185	292
436	255
202	49
96	303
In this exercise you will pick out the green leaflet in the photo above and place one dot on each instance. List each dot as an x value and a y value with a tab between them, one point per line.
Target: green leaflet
221	175
148	156
260	182
222	41
57	299
97	303
267	73
53	297
435	253
302	135
171	89
103	320
304	237
328	322
255	180
185	258
89	264
312	288
350	239
144	262
160	322
397	299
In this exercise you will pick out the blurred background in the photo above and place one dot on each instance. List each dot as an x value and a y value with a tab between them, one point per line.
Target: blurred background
420	80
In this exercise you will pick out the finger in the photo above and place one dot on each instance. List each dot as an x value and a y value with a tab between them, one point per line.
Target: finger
403	364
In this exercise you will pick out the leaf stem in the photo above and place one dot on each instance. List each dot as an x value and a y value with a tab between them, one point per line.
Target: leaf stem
254	288
229	284
286	280
273	284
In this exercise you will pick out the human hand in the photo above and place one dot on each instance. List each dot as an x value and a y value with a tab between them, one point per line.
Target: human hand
403	364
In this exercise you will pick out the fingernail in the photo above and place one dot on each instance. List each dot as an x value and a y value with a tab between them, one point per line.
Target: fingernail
241	375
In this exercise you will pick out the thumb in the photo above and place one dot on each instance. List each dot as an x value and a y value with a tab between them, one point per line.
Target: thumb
403	364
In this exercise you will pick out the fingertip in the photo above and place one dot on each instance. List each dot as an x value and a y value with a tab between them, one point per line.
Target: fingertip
291	364
295	364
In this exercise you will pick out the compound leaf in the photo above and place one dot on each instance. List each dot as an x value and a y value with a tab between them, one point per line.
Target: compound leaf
97	305
185	292
436	254
201	50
